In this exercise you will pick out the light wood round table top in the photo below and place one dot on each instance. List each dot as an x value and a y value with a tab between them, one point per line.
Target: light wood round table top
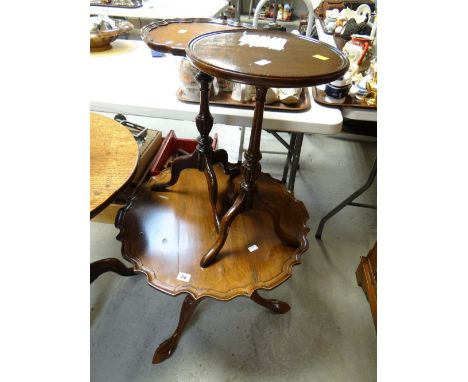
113	160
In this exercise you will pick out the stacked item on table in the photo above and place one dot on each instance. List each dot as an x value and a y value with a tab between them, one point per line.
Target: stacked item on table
239	92
360	82
348	22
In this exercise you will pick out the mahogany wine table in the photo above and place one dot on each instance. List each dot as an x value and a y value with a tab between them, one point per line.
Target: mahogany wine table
172	36
113	161
264	59
164	233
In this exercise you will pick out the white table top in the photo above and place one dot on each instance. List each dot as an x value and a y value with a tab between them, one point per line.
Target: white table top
348	112
166	9
128	80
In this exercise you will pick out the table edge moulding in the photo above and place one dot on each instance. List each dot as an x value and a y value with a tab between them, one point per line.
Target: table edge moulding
168	46
128	250
266	80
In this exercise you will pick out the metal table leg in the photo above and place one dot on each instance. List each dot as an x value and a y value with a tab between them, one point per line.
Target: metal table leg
349	200
241	144
288	158
295	160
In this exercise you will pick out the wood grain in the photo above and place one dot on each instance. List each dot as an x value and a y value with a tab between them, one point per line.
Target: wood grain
113	160
366	276
164	233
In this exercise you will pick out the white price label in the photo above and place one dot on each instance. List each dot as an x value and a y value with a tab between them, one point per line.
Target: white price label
184	277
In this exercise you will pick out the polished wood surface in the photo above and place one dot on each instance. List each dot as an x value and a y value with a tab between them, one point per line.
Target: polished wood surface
366	275
173	35
300	62
113	160
168	347
109	265
164	233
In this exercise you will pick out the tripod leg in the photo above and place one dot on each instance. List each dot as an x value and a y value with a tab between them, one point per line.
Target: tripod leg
168	347
212	188
275	306
109	265
226	222
221	156
178	165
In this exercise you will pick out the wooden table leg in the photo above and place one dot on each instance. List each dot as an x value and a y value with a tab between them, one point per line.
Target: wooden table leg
109	265
251	170
203	158
167	348
275	306
177	166
224	226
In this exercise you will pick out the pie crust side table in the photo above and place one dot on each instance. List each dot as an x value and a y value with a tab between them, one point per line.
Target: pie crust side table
172	36
264	59
164	233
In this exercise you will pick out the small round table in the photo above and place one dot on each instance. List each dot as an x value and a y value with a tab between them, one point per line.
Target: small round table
113	160
264	59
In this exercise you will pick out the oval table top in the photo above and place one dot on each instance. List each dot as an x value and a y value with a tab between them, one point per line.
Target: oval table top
173	35
267	58
113	160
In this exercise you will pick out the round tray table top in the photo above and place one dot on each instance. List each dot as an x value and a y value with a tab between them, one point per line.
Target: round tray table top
266	58
113	160
165	234
173	35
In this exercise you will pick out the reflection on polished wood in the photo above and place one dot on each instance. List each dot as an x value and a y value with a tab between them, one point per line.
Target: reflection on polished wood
164	233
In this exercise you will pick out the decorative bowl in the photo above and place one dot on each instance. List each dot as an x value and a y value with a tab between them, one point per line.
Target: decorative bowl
104	31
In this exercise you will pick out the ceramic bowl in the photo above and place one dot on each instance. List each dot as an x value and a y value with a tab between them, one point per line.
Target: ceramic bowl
289	96
362	91
337	92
